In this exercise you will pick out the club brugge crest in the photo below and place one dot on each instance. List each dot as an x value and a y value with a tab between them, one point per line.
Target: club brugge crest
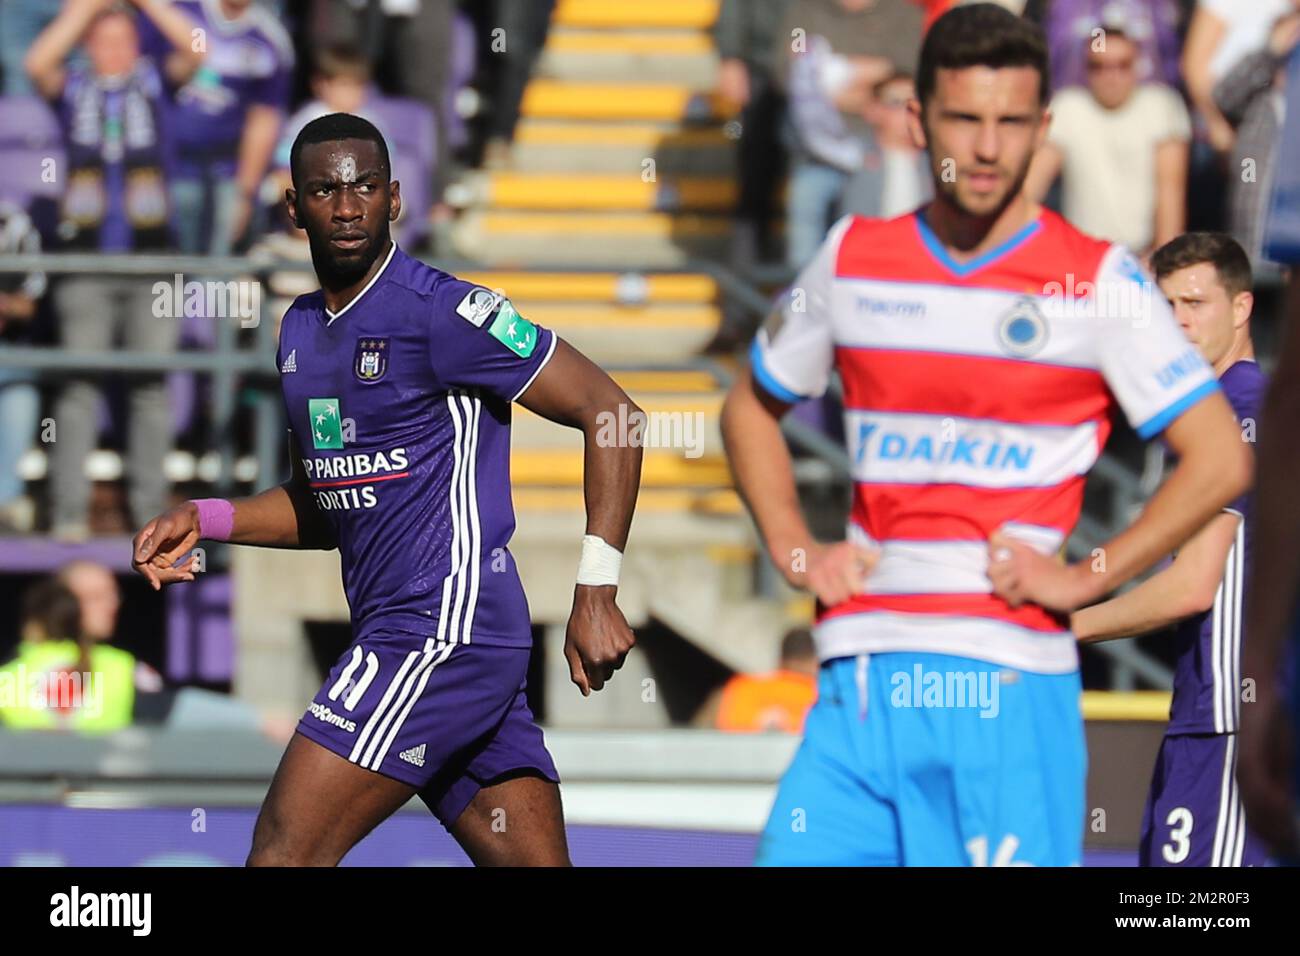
1023	330
371	360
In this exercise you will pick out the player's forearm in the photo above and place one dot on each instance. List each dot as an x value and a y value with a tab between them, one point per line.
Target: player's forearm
764	473
611	477
1161	601
280	517
1204	481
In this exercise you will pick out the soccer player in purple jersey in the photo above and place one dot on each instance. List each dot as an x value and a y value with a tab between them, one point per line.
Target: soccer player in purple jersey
397	382
1193	815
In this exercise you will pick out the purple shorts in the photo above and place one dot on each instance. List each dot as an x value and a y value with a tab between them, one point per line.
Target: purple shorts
1193	815
445	718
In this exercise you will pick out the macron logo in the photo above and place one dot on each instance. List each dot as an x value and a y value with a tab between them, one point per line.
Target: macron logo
413	756
291	363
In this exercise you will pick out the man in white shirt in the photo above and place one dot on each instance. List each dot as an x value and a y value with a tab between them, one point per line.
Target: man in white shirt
1121	149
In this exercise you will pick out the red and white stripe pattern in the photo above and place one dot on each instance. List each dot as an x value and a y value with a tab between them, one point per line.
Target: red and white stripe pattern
976	398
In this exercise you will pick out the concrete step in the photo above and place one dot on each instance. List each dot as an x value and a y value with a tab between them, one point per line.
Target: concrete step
543	146
638	189
626	335
684	426
660	506
679	56
660	468
607	346
597	240
631	14
622	102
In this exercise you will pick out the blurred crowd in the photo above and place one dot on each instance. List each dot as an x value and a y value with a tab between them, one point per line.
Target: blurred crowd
145	126
1166	114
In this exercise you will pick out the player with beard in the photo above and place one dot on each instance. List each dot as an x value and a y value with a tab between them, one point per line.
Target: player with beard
398	381
983	343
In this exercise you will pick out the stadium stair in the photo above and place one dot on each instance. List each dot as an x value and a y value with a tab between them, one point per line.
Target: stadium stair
693	551
622	161
621	156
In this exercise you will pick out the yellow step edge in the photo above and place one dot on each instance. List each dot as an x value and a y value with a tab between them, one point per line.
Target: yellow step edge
628	191
730	553
628	43
686	381
601	286
596	135
1152	705
708	406
685	14
658	225
636	318
615	101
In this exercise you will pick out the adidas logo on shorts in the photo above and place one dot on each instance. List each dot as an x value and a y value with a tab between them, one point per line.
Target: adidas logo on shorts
414	756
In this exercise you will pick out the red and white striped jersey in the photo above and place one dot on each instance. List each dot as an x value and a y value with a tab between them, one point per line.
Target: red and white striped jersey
977	395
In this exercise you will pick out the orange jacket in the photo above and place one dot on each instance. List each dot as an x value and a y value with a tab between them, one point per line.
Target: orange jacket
757	702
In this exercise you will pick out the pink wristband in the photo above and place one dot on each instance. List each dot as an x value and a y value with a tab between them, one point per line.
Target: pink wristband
216	518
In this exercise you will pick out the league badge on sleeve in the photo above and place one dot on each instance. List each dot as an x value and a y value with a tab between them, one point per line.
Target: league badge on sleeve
514	331
477	305
370	361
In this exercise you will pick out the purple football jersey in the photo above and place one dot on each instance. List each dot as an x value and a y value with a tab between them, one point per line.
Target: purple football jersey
400	408
1207	677
248	60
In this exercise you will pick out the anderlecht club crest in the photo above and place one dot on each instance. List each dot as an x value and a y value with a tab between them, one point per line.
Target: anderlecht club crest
371	359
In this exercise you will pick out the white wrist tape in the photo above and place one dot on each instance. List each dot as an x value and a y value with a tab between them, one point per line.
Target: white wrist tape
600	562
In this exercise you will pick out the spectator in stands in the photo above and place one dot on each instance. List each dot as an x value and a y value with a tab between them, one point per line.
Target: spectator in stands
1151	24
746	41
408	45
21	22
340	83
777	701
115	200
19	399
895	175
63	679
1221	33
1121	148
831	54
1250	98
745	35
225	120
524	25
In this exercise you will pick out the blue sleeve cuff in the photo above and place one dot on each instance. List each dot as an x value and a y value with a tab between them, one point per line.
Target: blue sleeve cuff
1161	420
764	378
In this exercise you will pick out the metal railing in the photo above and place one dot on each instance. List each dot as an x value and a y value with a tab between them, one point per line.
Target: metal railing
236	361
